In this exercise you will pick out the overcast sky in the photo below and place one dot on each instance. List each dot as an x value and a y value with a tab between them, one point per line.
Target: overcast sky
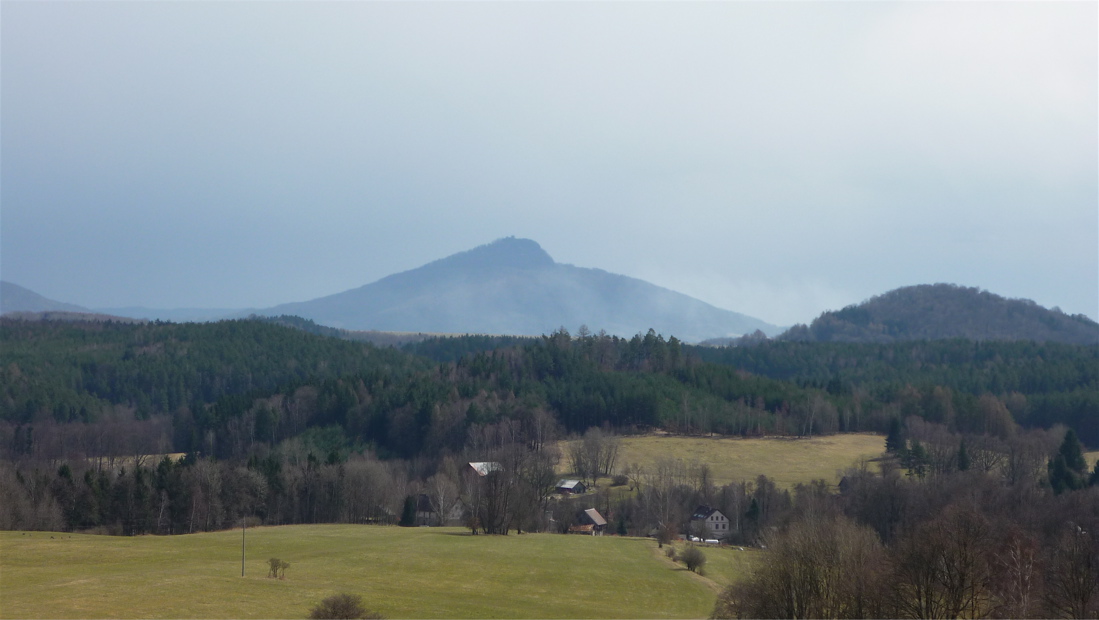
773	158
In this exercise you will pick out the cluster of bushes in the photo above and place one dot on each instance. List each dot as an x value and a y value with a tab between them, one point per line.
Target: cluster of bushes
692	557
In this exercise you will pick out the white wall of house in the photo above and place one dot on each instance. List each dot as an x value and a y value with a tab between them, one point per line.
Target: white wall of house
717	524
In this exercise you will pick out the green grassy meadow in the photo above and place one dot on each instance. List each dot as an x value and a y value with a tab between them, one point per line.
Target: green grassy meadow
399	572
725	564
787	461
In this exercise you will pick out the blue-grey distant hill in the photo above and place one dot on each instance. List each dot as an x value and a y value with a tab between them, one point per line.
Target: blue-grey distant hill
15	298
942	311
175	315
512	286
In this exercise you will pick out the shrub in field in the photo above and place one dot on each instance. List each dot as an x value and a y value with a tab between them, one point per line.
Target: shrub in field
694	559
277	568
670	552
343	605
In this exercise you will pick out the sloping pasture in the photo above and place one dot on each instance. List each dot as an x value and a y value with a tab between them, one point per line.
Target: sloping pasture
399	572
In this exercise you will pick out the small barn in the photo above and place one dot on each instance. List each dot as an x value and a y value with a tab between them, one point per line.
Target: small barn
571	487
589	522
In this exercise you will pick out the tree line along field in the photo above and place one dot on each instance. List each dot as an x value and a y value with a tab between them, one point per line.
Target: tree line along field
399	572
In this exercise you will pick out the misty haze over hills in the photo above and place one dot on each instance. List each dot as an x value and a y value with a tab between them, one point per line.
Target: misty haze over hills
512	286
15	298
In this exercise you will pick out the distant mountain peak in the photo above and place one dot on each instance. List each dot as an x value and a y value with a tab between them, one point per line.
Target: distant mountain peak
512	286
506	252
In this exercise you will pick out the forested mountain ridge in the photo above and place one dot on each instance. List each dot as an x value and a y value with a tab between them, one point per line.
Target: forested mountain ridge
1041	384
942	311
80	371
513	287
212	386
223	388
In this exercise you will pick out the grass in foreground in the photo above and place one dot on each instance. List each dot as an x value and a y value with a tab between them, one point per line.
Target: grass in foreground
400	572
724	565
785	460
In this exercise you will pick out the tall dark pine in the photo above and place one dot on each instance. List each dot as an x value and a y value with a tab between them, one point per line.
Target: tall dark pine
408	513
1068	469
894	440
963	457
1073	452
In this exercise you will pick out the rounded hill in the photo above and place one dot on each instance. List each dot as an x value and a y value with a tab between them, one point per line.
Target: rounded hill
943	311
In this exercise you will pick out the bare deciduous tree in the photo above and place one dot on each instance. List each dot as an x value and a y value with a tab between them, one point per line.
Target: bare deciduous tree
1072	576
442	491
942	569
1017	576
817	568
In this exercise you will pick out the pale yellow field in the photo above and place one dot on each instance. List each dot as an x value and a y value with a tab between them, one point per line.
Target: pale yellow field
785	460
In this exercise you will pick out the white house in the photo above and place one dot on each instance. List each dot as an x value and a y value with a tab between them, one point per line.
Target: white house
716	523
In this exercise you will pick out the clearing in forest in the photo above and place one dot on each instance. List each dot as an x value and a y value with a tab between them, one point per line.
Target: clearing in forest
785	460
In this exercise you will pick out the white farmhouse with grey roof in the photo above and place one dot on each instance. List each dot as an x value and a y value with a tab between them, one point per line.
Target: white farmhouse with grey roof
716	523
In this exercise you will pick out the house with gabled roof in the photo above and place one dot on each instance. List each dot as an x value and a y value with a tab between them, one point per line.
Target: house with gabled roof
589	522
571	487
484	468
716	523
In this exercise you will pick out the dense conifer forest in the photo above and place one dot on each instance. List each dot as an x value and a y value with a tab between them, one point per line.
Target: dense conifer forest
224	387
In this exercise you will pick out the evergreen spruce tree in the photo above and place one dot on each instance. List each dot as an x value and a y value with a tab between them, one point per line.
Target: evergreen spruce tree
408	513
915	459
1073	452
894	440
1061	478
752	514
1068	469
963	457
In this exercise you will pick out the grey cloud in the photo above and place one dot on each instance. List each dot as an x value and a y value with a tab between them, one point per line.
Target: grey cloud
770	158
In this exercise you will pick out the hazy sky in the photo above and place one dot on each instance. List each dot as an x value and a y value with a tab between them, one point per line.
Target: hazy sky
774	158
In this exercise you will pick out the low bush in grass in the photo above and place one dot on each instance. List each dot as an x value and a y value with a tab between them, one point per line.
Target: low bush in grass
693	557
343	605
